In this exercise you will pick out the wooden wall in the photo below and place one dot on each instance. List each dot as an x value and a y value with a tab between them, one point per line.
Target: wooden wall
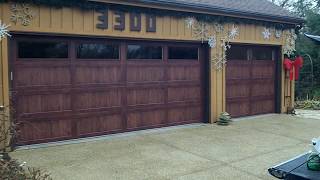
72	21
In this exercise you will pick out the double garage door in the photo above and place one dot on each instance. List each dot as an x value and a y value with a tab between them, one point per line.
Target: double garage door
65	88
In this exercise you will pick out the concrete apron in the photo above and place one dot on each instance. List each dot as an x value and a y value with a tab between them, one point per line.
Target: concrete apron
129	134
108	137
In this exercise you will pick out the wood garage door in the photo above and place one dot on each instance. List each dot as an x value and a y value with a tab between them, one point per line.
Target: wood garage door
250	77
68	88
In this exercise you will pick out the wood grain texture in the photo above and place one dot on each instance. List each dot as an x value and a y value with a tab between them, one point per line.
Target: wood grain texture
250	87
71	98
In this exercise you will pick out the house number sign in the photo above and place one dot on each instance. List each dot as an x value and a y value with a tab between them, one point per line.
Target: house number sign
120	21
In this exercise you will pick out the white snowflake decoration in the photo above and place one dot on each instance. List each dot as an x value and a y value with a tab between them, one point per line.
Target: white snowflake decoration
201	31
21	13
266	33
212	41
278	33
218	27
190	22
219	61
234	32
4	32
225	44
290	45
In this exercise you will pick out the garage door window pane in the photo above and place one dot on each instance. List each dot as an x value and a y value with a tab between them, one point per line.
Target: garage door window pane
144	52
186	53
43	50
262	53
237	53
97	51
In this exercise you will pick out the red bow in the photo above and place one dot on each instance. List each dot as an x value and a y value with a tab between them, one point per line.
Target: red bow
296	65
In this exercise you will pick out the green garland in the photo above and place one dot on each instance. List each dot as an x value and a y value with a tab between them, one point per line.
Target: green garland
86	5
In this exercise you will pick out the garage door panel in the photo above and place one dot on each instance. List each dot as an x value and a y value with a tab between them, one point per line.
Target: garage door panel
100	99
185	114
99	124
239	108
44	130
264	70
184	94
138	96
183	72
42	76
238	70
32	104
238	91
144	119
98	75
263	89
262	107
145	74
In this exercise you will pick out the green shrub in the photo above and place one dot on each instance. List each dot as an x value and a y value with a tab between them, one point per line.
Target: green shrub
12	170
316	94
308	104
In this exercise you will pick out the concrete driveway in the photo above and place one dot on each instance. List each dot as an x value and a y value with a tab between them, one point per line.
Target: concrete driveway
244	150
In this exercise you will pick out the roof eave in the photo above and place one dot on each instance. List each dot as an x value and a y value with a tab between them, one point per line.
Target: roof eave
199	8
226	11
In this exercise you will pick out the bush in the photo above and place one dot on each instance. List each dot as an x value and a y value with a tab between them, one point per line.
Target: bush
316	94
12	170
308	104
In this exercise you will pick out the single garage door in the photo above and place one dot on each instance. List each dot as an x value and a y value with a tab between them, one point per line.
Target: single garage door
67	88
250	80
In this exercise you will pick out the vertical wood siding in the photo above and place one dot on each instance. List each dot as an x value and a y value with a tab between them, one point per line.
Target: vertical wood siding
73	21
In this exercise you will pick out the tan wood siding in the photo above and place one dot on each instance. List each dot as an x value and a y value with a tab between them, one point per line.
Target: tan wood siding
73	21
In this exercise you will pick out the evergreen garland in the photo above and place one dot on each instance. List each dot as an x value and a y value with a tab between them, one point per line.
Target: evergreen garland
87	5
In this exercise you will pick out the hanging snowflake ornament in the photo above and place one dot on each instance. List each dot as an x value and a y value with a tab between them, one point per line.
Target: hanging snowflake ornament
21	13
219	61
278	33
212	41
266	33
233	33
218	27
190	22
290	43
4	32
225	44
200	31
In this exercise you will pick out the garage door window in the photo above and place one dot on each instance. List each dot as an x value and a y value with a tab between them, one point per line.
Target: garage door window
262	53
238	53
42	50
183	53
144	52
98	51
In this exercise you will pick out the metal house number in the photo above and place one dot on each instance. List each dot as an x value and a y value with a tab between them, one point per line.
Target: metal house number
120	21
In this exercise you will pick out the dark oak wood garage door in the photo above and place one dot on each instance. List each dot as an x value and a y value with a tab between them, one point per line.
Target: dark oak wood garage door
72	88
250	77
